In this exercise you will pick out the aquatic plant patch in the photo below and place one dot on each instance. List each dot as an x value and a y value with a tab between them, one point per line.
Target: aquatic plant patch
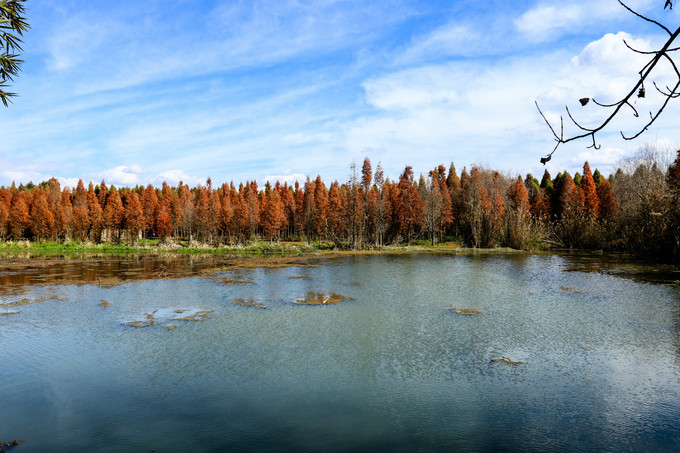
506	360
166	317
7	313
249	302
321	298
464	311
37	300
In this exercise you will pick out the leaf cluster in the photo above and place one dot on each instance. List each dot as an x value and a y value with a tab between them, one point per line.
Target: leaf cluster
13	24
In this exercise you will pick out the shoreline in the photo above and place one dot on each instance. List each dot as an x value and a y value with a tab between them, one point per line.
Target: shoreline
107	267
281	249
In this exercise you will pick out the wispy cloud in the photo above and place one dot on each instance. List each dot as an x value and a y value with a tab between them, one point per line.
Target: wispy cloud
548	21
248	90
121	175
290	179
174	177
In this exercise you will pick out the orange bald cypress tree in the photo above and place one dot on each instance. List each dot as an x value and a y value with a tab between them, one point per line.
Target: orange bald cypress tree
409	207
453	183
41	218
150	208
519	218
64	215
272	215
336	207
203	219
5	201
226	211
94	210
288	203
19	216
591	202
113	215
299	220
133	215
164	220
608	205
240	224
321	207
80	215
570	198
518	196
252	204
476	208
433	199
497	215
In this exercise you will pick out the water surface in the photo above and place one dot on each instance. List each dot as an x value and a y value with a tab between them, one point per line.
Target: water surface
387	367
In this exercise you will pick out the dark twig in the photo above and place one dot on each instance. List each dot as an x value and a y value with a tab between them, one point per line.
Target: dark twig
638	90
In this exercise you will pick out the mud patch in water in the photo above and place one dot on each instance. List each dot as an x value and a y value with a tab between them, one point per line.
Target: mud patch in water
464	311
321	298
233	281
249	302
506	360
564	288
167	316
7	313
37	300
7	446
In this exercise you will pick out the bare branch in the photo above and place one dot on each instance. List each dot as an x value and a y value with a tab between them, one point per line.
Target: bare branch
638	90
645	18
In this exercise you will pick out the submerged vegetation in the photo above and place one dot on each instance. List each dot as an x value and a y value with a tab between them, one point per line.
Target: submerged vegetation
231	282
464	311
6	446
27	301
506	360
249	302
164	316
635	209
321	298
8	313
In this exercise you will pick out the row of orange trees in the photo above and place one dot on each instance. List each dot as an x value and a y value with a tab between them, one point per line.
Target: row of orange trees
481	207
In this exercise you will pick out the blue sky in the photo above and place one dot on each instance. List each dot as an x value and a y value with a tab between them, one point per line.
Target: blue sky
138	92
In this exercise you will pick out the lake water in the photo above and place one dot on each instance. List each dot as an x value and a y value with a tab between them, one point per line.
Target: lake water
392	369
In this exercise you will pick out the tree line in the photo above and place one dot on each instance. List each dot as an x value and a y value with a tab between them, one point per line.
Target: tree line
636	209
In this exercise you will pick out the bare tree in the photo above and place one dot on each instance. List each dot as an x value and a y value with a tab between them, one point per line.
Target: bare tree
637	91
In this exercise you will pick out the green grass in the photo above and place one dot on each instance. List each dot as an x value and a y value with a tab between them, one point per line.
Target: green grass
155	246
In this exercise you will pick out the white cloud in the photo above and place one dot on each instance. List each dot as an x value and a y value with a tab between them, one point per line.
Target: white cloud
23	176
70	182
603	159
468	112
549	21
291	88
606	70
290	179
112	49
415	88
79	39
451	39
543	22
173	177
121	176
611	54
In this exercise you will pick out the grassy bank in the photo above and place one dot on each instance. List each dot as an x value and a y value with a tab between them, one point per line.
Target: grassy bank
256	248
154	246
